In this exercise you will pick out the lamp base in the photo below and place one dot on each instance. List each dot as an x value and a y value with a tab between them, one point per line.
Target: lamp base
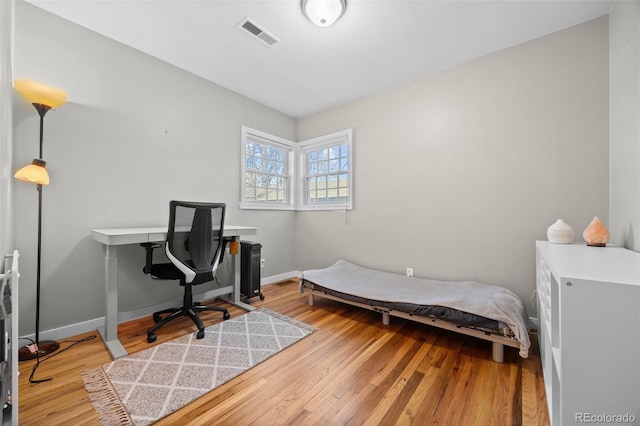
45	347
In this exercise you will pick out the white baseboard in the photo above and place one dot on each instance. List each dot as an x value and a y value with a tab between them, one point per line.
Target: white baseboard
278	278
93	324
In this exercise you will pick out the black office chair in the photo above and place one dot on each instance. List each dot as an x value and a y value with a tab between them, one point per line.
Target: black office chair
195	247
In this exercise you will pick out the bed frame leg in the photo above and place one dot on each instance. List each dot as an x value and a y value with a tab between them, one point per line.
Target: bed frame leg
497	352
385	318
310	299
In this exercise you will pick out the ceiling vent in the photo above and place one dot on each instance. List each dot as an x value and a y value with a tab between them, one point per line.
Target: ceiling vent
260	33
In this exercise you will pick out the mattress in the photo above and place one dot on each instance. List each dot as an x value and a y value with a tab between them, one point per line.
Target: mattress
487	307
453	316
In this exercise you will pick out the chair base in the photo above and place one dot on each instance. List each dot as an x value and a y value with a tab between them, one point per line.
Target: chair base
188	311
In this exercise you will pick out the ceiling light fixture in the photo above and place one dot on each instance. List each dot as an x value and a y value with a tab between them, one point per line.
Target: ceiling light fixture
323	12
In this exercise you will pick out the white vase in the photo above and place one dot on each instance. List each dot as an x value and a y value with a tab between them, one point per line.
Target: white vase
560	233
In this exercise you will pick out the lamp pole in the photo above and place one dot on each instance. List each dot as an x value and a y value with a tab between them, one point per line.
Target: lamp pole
46	347
42	110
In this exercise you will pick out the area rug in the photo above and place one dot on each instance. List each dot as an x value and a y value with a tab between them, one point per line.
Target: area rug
149	385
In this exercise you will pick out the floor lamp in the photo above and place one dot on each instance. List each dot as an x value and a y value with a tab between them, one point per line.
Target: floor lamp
43	98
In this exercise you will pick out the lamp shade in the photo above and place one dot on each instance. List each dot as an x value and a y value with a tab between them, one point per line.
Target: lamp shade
323	12
37	93
34	173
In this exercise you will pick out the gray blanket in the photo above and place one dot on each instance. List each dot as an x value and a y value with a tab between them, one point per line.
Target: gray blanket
485	300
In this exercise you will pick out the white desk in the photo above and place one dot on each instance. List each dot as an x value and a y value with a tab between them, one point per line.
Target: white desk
112	238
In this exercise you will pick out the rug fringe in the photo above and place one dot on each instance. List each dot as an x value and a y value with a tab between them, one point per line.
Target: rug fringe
104	398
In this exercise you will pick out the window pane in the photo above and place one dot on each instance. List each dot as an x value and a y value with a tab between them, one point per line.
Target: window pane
249	163
271	152
334	152
266	161
344	164
321	182
331	166
250	193
261	194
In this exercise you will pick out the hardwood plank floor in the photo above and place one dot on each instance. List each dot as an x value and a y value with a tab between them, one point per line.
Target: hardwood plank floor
353	371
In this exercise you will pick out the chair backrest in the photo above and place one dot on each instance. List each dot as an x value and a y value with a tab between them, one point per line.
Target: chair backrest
194	239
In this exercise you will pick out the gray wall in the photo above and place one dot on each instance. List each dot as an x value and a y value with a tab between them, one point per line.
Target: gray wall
458	173
625	123
134	134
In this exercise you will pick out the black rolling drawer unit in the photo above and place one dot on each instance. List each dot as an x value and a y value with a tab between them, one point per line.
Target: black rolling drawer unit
250	270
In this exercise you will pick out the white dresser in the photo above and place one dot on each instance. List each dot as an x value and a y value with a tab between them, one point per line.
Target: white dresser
589	332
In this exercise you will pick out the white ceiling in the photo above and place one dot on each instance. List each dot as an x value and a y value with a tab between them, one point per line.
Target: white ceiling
377	44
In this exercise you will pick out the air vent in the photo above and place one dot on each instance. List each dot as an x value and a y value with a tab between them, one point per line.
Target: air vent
257	32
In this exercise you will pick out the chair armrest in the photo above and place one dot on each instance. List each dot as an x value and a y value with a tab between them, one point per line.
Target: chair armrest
149	247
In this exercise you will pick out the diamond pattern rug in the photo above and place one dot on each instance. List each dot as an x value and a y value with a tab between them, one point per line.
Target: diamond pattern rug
146	386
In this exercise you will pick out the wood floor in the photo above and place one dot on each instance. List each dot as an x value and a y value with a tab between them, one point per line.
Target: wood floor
352	370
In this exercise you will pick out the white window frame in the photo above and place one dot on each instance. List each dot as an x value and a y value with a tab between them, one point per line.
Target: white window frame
269	140
304	148
296	169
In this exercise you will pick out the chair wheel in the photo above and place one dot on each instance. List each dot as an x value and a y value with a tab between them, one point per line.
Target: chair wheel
226	316
261	296
151	337
200	334
157	318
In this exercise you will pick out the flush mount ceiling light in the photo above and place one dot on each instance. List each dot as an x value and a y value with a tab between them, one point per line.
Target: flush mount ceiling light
323	12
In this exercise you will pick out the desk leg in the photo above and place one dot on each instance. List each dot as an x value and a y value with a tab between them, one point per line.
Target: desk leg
109	332
234	298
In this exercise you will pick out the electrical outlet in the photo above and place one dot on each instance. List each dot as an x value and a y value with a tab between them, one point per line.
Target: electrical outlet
409	272
262	262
